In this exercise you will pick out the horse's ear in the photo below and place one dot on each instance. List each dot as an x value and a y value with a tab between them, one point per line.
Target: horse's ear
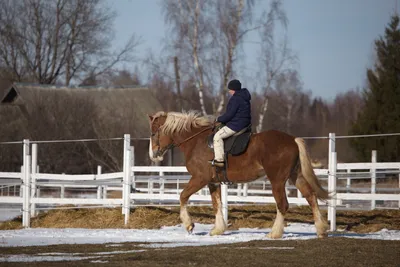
150	117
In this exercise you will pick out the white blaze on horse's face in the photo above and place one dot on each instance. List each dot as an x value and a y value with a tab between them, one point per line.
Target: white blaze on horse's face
159	143
151	153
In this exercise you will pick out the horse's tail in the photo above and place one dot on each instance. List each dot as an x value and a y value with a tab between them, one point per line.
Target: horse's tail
308	172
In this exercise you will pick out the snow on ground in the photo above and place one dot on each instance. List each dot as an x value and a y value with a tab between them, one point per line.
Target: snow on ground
10	214
172	236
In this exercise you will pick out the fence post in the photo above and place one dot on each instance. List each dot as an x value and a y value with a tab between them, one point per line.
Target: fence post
332	148
126	181
21	187
38	189
224	200
245	189
62	189
161	186
348	185
332	190
373	177
33	183
26	219
132	174
99	186
299	196
348	181
161	183
332	145
239	190
399	187
104	193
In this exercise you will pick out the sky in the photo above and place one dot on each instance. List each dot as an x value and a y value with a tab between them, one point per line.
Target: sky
333	39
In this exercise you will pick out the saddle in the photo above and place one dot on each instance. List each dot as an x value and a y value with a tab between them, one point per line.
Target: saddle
235	145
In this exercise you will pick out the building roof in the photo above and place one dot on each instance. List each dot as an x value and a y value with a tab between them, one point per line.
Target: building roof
124	105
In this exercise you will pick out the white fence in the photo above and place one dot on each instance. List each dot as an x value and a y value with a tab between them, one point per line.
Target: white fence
162	185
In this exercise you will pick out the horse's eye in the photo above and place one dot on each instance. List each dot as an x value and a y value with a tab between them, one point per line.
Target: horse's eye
153	134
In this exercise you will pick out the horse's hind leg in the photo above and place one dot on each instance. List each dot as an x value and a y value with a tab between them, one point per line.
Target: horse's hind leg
192	187
307	192
282	205
220	226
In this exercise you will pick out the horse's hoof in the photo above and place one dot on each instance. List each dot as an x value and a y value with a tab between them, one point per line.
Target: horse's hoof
190	228
323	235
216	232
274	235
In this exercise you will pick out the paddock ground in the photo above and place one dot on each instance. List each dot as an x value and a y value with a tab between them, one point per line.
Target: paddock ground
332	251
335	251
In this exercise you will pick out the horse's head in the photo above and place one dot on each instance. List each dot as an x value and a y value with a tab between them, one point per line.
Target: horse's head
159	141
173	125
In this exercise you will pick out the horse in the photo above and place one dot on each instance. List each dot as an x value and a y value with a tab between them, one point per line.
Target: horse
274	154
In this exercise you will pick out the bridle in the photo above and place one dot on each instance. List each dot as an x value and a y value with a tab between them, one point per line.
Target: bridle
172	145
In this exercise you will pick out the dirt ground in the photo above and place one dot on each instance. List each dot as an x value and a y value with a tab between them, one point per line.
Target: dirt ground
333	251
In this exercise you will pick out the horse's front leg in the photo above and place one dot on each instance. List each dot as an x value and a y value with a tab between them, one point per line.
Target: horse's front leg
192	187
220	225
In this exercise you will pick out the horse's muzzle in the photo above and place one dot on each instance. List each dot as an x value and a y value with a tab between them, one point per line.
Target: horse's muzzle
157	159
157	153
154	154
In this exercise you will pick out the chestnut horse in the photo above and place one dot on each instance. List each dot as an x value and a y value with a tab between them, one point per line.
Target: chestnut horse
274	154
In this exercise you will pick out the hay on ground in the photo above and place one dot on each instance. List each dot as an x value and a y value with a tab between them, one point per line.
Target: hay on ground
239	217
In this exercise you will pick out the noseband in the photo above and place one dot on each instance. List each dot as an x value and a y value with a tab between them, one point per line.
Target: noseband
161	151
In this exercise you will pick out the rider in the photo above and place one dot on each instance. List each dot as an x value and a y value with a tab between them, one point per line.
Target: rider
236	118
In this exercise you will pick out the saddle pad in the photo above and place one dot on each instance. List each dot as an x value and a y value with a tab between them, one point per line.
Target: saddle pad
234	145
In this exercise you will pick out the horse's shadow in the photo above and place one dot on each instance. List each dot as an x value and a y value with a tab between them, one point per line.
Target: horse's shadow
265	233
286	234
201	234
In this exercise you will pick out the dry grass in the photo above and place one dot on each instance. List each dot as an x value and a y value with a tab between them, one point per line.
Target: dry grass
80	218
239	217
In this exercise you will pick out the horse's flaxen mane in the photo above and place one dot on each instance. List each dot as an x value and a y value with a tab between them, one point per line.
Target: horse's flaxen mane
178	122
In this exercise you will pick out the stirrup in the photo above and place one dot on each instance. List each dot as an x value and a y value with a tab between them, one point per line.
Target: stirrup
217	163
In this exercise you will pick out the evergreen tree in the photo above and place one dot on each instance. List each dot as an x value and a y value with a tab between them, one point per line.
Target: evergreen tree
381	111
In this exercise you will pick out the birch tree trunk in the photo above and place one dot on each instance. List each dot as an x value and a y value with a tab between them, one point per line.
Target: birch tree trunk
232	35
198	68
178	82
262	114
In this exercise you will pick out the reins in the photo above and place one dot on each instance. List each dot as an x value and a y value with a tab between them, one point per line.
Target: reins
187	139
172	145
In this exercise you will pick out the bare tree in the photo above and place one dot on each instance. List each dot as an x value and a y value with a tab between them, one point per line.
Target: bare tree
230	17
207	36
287	101
191	25
58	41
344	111
276	57
163	77
178	82
125	78
290	89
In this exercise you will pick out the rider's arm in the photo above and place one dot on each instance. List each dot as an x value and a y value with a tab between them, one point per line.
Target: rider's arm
230	111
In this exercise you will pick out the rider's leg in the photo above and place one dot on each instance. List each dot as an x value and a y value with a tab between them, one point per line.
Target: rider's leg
223	133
